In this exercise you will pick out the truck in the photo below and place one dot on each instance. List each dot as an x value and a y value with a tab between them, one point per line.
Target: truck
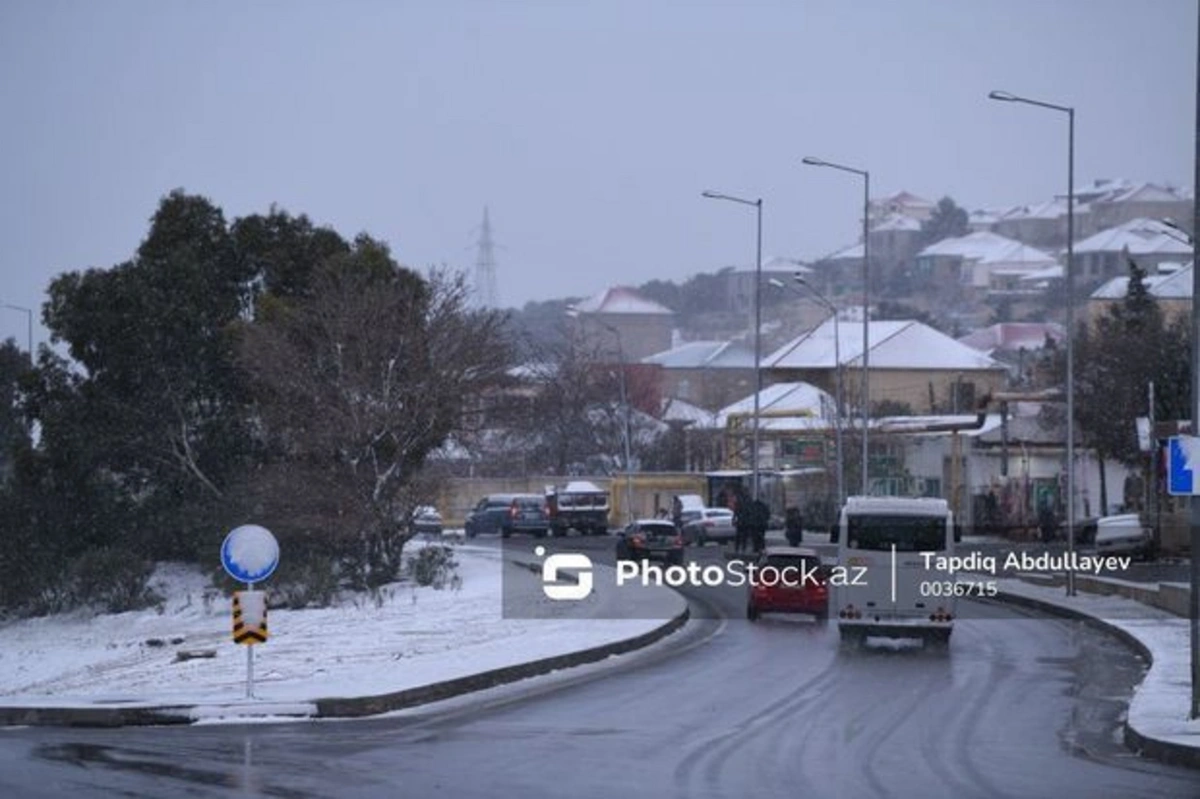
579	505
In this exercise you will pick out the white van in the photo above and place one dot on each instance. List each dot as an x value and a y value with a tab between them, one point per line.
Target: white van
888	591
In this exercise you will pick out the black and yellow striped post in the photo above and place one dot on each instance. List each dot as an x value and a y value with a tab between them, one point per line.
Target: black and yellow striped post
249	617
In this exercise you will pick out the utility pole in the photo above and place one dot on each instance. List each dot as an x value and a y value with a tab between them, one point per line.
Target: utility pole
1194	598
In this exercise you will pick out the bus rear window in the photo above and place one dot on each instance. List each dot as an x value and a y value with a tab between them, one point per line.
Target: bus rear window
907	533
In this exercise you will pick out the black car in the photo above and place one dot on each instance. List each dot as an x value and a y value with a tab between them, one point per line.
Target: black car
651	539
507	514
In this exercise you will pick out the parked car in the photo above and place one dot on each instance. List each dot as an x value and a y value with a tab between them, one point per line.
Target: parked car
488	514
507	514
426	520
1123	535
651	539
710	524
527	513
795	583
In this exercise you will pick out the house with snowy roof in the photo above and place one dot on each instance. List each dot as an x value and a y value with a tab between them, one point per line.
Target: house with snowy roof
902	202
1126	201
1019	345
740	282
797	424
621	325
1171	288
894	239
709	374
1043	225
910	364
978	264
1149	242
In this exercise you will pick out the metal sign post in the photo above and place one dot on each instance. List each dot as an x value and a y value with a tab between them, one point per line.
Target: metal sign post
250	554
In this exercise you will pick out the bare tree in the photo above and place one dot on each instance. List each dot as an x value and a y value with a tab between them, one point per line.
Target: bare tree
360	382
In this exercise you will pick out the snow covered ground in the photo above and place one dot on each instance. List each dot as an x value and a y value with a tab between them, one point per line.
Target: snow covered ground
407	637
1160	706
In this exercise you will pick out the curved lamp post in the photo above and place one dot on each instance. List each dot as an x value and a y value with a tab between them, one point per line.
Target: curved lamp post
757	205
866	346
1069	279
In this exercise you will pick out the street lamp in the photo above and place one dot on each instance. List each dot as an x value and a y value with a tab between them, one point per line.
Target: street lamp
866	297
574	314
1069	278
757	205
837	360
28	327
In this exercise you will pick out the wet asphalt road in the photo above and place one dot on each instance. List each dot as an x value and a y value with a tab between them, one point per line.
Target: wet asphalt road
1021	706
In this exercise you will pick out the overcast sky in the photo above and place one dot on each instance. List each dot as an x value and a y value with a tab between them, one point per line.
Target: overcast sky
588	128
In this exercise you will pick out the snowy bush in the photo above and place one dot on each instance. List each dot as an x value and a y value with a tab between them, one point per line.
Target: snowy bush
313	583
433	566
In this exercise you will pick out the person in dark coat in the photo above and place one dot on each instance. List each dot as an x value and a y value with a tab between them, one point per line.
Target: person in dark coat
1047	523
760	520
741	522
794	526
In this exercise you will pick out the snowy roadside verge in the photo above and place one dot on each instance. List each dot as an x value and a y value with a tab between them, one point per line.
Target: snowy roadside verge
1157	724
405	647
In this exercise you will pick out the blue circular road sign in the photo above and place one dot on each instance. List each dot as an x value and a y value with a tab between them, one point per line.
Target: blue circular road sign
250	553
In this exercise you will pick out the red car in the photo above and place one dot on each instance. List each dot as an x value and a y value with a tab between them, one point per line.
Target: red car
788	580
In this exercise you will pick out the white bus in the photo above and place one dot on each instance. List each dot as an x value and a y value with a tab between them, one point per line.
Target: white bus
885	588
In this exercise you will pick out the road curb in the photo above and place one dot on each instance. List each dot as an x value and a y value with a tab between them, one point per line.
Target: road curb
1145	745
94	716
356	707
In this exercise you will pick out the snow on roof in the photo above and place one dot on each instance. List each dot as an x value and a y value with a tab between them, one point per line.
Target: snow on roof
582	487
1050	209
704	355
852	253
1140	236
1045	273
1175	285
677	410
782	263
986	247
808	403
905	199
894	345
1145	193
897	222
985	216
1103	186
1012	336
802	398
621	300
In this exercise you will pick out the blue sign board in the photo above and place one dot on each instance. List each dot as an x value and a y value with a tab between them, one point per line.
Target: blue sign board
1183	461
250	553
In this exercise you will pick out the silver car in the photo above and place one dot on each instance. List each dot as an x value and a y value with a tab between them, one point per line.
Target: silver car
1123	535
711	524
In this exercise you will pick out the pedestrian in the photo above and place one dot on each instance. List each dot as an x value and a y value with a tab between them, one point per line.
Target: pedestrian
794	526
761	520
742	522
1047	523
